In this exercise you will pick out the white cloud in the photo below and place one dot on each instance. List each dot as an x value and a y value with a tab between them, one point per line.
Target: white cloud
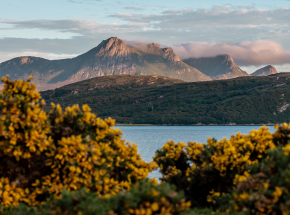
77	26
213	20
221	16
252	36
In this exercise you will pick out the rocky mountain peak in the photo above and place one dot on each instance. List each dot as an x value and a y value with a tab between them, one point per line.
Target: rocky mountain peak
169	54
218	67
270	67
267	70
153	47
168	50
226	59
113	47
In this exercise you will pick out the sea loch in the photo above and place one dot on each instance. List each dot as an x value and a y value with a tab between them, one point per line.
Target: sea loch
151	138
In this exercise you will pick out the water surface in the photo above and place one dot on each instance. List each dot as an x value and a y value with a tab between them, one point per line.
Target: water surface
151	138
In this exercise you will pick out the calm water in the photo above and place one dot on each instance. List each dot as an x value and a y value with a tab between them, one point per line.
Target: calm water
151	138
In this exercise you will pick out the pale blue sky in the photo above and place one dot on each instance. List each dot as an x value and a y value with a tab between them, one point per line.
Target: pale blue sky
65	28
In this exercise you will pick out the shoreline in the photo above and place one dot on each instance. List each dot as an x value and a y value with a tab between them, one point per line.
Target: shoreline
119	124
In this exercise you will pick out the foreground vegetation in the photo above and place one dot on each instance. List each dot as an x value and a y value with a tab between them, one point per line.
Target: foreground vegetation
71	162
147	99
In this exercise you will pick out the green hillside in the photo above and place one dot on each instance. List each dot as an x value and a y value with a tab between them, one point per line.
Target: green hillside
160	100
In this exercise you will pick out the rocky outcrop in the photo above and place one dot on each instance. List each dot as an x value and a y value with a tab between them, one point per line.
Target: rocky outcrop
154	48
218	67
267	70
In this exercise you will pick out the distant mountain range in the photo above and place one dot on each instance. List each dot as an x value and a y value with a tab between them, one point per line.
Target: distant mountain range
114	57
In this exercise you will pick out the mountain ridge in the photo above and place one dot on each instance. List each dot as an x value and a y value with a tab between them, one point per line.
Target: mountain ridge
217	67
267	70
110	57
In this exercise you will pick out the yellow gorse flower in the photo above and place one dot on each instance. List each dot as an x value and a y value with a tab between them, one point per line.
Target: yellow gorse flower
228	154
67	149
221	162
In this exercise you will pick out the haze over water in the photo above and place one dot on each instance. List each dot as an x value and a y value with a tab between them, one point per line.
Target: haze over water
151	138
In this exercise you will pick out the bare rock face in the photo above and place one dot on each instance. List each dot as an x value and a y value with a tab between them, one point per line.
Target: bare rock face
25	60
267	70
170	55
155	49
218	67
110	57
113	47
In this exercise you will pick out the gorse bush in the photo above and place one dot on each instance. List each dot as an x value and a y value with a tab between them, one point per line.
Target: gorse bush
247	173
68	161
24	130
266	188
87	152
42	154
202	169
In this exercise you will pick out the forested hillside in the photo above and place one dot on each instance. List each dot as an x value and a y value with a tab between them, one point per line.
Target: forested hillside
160	100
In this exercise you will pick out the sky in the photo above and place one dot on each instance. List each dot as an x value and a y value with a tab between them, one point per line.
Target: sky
255	33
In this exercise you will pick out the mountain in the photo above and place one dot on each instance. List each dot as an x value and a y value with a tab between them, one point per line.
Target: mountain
267	70
218	67
110	57
160	100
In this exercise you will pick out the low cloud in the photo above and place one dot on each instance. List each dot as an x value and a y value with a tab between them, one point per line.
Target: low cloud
217	16
235	24
135	8
257	36
246	53
138	44
78	26
50	56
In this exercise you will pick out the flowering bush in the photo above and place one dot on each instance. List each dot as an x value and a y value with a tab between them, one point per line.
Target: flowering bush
24	139
266	189
203	170
72	162
42	154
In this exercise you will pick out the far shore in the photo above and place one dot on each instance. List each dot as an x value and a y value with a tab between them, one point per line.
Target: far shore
231	124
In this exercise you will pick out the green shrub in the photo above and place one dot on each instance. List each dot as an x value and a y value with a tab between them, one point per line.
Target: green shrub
145	197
